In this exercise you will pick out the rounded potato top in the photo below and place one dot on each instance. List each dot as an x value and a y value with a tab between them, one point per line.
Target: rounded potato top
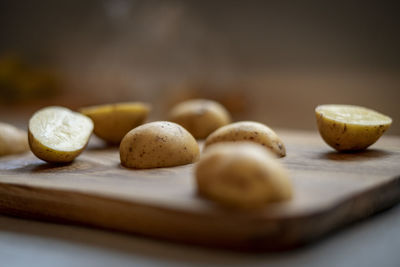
60	128
158	144
242	174
200	116
12	140
248	131
113	121
122	107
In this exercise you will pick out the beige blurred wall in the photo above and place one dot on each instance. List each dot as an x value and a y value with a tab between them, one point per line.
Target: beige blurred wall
271	61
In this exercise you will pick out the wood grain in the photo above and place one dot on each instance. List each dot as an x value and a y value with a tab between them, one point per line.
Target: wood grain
331	190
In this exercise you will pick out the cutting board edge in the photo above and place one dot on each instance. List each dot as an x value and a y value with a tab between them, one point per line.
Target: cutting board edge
282	234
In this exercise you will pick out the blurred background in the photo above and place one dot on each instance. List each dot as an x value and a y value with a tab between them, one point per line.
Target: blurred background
269	61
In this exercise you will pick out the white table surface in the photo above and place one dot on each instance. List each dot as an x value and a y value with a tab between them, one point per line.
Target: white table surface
373	242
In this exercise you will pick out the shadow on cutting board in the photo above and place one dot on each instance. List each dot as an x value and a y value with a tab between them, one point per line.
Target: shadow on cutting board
355	156
38	166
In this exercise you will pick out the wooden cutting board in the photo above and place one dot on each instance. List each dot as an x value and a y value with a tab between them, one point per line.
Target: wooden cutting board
331	190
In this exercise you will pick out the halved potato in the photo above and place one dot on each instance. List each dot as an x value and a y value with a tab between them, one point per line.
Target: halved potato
248	131
57	134
242	175
12	140
200	116
113	121
350	128
158	144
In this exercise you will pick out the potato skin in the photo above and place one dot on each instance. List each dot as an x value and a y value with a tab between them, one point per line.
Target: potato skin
248	131
51	155
12	140
158	144
347	136
113	121
243	175
200	116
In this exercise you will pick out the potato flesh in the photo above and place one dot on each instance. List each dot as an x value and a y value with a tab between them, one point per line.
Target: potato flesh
60	128
353	114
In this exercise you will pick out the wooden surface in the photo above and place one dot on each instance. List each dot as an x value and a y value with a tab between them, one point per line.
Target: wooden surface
331	190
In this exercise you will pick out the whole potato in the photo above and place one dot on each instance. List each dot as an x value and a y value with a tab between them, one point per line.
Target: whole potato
200	116
113	121
158	144
58	135
350	128
242	175
248	131
12	140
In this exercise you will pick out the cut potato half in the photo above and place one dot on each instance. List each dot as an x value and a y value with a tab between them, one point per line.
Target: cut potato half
200	116
243	175
350	128
248	131
158	144
12	140
57	134
113	121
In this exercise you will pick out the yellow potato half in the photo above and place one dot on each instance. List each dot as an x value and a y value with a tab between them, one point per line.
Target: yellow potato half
58	135
12	140
113	121
248	131
158	144
200	116
244	175
350	128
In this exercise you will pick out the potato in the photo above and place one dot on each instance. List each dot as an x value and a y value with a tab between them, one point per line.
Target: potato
158	144
58	135
243	175
350	128
12	140
248	131
112	122
200	116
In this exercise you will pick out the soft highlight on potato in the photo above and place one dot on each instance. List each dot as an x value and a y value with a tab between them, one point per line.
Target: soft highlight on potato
113	121
58	135
248	131
200	116
12	140
158	144
243	175
350	128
